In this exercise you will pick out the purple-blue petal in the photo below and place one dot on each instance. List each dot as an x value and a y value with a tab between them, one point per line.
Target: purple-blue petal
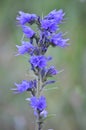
58	40
38	61
51	71
26	47
33	102
38	103
24	18
49	25
24	86
58	16
28	31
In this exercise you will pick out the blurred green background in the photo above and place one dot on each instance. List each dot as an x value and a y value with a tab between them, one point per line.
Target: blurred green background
68	102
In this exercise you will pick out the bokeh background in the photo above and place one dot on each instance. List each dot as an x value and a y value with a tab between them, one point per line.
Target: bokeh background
68	102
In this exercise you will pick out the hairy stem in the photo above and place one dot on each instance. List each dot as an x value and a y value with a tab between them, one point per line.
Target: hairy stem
38	85
38	123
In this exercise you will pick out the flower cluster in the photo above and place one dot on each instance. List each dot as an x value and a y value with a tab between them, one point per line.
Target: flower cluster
36	44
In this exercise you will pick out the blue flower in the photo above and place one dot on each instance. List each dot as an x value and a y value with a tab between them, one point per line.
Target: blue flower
24	18
38	103
56	15
51	21
48	72
51	71
28	31
58	40
49	25
24	86
41	105
26	47
37	45
39	61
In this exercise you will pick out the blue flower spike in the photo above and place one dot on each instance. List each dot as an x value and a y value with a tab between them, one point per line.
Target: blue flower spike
36	44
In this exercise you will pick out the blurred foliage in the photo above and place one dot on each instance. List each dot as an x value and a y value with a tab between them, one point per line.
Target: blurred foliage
68	102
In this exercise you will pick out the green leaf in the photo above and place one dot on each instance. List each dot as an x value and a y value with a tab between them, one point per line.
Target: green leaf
50	116
53	88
